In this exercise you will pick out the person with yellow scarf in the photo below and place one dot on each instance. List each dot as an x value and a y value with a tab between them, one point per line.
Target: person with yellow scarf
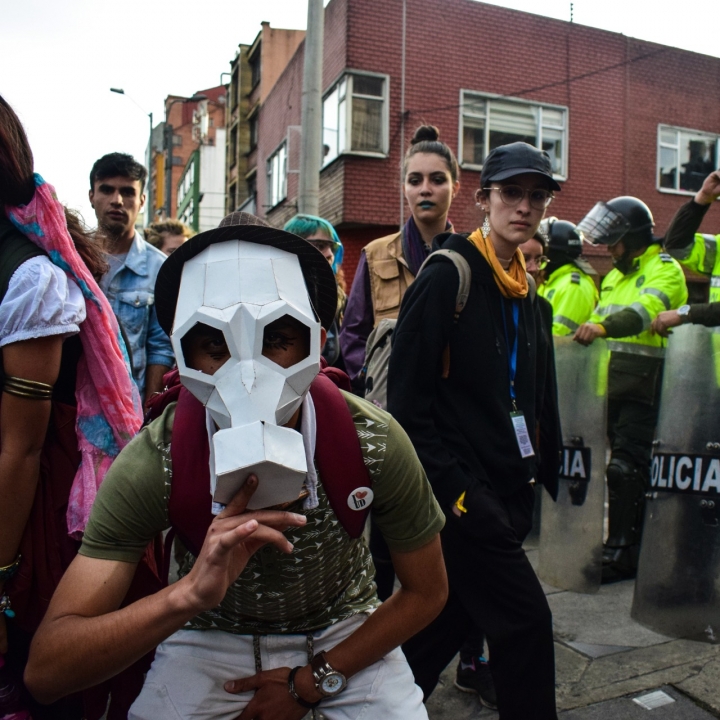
474	424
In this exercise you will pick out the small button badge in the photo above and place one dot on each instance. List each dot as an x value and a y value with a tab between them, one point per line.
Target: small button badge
360	499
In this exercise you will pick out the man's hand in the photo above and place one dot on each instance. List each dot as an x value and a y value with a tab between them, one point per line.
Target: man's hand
664	321
232	538
272	699
710	190
587	333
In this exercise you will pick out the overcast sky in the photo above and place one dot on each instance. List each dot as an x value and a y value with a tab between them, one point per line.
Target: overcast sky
59	59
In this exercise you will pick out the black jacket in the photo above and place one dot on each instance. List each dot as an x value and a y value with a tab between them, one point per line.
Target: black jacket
460	425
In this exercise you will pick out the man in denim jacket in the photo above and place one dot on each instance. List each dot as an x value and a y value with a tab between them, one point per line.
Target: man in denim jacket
116	193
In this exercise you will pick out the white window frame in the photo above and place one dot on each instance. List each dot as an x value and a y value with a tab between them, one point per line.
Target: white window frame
488	98
345	148
277	175
676	146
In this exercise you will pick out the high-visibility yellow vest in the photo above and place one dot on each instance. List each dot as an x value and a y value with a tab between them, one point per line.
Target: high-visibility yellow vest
656	283
702	256
573	296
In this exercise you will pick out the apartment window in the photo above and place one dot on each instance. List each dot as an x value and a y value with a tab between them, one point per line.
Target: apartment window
355	116
253	128
250	203
232	198
277	176
255	68
685	158
488	122
232	150
186	182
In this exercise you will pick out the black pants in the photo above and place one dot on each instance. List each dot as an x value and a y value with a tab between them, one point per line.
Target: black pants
631	429
634	384
492	584
472	648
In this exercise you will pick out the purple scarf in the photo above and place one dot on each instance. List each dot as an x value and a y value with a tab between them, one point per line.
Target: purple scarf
414	249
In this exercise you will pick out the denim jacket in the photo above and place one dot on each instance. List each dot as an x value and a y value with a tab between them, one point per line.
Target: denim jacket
131	292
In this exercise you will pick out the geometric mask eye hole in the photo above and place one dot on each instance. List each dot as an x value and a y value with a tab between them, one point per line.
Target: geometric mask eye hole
286	341
204	348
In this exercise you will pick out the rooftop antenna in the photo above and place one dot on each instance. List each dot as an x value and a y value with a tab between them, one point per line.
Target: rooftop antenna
572	7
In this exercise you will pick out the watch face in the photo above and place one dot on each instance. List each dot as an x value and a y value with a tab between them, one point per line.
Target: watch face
332	683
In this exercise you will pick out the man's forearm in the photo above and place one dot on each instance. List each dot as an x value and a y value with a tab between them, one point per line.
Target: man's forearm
623	324
415	605
74	652
707	314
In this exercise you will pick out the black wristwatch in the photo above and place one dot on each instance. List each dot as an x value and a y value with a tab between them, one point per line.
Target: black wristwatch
328	681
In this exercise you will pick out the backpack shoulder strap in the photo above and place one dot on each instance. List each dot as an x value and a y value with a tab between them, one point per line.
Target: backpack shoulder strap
338	455
464	271
532	287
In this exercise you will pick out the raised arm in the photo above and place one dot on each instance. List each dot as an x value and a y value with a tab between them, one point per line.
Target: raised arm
680	235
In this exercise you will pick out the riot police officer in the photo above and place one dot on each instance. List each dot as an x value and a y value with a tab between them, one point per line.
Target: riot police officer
569	286
643	282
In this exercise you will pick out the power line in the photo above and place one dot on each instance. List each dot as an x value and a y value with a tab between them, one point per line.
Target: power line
567	81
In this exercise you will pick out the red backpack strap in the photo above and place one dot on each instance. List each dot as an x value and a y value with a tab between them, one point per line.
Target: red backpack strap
170	393
338	455
190	506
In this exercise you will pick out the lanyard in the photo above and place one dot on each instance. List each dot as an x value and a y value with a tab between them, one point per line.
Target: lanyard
512	354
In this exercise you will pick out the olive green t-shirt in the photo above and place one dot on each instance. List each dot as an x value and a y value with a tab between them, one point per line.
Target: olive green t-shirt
327	578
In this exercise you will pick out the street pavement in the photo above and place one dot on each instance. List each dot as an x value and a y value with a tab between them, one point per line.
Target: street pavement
604	661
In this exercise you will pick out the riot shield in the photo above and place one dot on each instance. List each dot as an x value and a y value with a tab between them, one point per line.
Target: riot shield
571	531
677	591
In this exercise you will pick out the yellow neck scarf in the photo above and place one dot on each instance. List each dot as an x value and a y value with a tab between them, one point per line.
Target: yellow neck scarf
512	282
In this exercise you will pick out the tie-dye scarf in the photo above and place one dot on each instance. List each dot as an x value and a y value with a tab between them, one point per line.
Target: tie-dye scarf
109	412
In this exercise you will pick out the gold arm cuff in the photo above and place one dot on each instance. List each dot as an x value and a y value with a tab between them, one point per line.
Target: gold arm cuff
30	389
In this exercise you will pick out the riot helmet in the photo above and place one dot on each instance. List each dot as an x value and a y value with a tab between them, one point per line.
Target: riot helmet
623	218
562	236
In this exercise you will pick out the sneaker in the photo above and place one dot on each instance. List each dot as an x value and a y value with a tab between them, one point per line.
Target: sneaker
477	679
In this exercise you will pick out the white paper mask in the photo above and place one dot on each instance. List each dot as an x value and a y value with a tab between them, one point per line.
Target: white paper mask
239	288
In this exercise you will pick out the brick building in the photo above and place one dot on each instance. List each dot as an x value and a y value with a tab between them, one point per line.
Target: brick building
194	125
253	73
618	115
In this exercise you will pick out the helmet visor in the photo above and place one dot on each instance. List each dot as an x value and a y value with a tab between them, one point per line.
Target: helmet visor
603	226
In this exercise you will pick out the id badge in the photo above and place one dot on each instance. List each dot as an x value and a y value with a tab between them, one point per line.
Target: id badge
521	434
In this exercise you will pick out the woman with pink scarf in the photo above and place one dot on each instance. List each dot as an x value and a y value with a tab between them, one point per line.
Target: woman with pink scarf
68	406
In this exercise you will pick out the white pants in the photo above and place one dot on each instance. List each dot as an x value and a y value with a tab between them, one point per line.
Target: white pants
190	668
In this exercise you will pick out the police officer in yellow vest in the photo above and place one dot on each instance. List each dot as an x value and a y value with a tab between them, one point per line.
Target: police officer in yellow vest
644	282
569	286
696	251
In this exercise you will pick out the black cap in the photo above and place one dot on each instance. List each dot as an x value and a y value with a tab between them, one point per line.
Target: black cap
517	158
318	274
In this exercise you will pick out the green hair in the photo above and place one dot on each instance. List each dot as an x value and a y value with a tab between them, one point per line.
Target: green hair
306	225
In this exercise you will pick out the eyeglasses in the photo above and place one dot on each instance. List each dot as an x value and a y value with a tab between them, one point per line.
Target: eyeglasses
514	194
541	261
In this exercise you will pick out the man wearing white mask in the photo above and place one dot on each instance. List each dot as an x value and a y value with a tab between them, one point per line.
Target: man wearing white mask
266	470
